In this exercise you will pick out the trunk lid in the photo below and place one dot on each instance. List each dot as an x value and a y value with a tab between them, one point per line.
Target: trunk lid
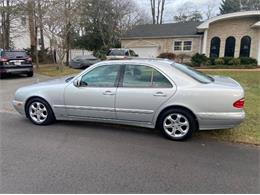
226	81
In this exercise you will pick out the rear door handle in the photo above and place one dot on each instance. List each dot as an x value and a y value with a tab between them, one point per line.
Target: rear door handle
159	94
108	93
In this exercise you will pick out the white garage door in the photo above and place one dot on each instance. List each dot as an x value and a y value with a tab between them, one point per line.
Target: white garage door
146	52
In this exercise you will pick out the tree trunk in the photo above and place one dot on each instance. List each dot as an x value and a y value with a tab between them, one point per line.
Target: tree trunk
153	10
7	26
41	27
33	30
162	11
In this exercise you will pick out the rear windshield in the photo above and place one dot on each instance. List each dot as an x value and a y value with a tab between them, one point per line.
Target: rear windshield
195	74
116	53
14	54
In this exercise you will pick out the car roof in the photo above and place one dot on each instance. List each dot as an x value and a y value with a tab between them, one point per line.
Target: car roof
141	61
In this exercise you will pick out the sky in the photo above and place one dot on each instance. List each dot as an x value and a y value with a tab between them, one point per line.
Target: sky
172	6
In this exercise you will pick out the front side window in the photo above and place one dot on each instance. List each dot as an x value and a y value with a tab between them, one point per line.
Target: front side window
102	76
144	76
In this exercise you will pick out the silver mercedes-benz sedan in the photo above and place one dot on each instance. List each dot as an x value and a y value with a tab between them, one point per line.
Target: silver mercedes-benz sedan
161	94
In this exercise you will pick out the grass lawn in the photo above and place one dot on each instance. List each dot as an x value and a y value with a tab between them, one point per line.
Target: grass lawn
51	70
247	132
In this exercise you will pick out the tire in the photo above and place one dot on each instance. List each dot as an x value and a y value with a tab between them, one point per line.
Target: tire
39	112
3	75
177	124
30	74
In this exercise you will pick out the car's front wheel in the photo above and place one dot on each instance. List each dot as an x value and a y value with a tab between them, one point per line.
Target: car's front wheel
39	112
177	124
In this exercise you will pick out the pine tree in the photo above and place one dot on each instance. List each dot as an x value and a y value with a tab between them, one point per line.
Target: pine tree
229	6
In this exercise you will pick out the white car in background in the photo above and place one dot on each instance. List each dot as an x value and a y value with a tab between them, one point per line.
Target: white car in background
120	54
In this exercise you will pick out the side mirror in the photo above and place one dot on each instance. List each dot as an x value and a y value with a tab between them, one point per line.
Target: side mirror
76	82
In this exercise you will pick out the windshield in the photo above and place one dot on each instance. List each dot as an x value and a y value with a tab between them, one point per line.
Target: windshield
14	54
195	74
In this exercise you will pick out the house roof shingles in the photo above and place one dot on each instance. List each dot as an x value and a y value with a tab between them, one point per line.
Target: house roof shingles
163	30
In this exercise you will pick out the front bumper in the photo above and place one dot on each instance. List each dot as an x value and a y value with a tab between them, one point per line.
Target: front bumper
19	106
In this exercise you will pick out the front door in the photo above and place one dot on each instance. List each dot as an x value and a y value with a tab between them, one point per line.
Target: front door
142	91
95	97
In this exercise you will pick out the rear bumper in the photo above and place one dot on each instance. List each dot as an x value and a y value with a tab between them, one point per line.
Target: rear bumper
15	70
223	120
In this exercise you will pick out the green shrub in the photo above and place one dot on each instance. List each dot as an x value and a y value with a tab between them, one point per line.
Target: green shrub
211	61
234	61
226	59
170	56
248	61
101	53
199	59
219	61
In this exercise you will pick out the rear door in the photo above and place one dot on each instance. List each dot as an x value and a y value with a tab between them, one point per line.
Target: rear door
142	90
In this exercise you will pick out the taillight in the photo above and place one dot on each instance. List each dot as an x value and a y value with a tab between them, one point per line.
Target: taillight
29	59
239	103
3	60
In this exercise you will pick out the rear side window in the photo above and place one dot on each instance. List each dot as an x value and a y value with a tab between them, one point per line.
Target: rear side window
195	74
14	54
144	77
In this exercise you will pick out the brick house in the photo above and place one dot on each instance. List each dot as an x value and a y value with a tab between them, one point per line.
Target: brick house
233	35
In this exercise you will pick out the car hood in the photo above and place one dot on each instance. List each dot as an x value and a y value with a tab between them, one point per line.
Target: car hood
53	81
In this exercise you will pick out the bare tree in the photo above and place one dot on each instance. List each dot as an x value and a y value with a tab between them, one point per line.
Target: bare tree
211	9
157	9
59	25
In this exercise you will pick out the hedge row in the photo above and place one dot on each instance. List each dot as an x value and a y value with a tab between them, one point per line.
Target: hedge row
201	59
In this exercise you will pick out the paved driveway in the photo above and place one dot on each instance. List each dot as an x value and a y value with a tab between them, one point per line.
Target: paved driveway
81	157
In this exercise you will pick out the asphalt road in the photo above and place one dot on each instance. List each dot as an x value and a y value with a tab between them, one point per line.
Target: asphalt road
81	157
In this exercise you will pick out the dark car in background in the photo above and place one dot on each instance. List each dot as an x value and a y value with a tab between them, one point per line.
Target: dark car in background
15	62
120	54
83	61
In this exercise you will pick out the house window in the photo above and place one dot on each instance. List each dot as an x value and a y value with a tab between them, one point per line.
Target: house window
230	47
245	46
177	45
215	47
182	45
187	45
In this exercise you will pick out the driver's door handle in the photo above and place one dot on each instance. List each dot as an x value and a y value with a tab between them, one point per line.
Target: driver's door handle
108	93
159	94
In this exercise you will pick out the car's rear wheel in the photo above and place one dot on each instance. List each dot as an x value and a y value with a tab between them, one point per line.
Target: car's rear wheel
177	124
30	74
39	112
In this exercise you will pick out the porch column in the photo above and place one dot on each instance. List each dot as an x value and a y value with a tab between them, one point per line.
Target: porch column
258	50
204	44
